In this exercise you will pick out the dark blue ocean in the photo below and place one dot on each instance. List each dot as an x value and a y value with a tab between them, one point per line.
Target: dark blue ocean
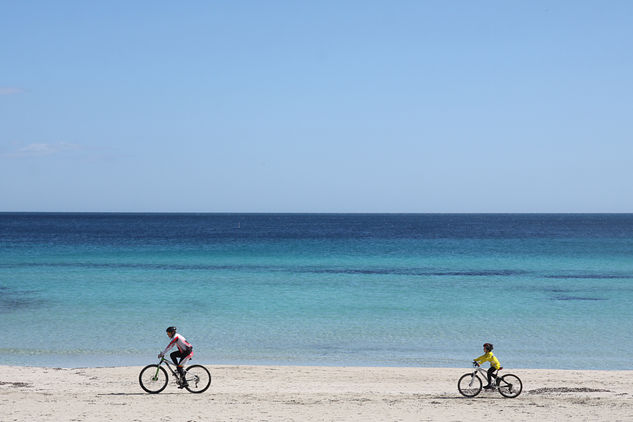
550	291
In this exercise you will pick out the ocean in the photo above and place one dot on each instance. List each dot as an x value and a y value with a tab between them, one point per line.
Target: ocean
548	290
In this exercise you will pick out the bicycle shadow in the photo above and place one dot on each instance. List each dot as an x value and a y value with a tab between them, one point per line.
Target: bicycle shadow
468	398
135	394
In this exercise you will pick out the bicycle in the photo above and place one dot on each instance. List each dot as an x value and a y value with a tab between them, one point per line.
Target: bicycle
469	385
153	378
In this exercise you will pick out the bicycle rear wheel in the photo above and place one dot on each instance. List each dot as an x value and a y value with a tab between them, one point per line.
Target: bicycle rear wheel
198	378
510	386
153	379
469	385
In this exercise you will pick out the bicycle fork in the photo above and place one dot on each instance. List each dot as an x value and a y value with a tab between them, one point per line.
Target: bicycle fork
155	378
472	379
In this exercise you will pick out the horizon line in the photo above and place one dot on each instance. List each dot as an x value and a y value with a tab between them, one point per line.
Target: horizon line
322	213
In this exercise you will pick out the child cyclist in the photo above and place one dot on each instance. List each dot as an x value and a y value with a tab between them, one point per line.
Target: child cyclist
184	352
494	363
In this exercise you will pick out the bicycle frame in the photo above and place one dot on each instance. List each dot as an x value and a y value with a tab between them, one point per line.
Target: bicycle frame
484	374
482	371
166	362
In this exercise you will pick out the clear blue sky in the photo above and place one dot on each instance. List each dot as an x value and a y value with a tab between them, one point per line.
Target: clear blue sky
322	106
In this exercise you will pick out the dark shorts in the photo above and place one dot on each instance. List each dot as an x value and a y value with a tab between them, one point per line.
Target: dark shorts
181	357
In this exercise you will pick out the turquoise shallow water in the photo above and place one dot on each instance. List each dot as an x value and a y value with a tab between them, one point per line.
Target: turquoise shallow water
550	291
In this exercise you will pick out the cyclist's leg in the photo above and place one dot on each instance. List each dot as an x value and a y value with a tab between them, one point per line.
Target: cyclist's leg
185	359
491	374
174	356
177	357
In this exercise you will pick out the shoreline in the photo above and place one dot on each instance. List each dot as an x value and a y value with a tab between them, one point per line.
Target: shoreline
248	392
464	368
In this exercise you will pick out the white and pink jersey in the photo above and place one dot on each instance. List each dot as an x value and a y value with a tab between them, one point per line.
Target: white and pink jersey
181	343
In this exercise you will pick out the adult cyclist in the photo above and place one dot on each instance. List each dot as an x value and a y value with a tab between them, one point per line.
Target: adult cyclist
180	356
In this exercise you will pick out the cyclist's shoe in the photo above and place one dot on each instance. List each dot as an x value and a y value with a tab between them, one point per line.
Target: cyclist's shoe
488	387
183	384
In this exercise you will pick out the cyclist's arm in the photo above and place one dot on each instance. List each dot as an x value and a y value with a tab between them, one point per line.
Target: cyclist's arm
170	345
481	359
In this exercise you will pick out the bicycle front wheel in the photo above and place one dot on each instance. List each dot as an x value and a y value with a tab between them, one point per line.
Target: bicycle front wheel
469	385
510	386
198	378
153	379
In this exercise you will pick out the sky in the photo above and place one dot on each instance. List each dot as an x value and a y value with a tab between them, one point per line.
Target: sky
316	106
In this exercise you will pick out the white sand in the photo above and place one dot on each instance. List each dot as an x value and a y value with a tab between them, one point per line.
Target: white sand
261	393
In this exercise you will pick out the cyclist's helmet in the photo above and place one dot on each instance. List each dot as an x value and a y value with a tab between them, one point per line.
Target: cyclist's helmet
488	347
171	329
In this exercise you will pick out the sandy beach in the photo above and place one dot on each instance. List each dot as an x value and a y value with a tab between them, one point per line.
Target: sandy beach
263	393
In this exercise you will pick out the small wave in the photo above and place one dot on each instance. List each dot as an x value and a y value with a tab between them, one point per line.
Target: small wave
142	266
11	301
416	272
313	270
591	276
482	273
581	298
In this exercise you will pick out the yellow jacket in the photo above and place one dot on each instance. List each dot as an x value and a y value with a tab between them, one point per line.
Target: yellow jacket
489	357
